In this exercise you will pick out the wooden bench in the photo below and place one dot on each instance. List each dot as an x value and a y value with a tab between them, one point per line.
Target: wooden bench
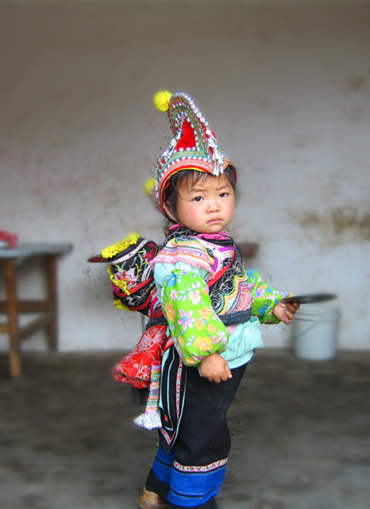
47	309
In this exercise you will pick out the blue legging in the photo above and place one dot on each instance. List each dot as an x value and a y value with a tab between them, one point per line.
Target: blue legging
184	489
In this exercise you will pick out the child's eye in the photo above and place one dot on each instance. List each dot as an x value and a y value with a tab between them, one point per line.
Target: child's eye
224	194
197	198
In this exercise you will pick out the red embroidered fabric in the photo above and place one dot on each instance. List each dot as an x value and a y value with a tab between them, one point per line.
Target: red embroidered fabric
135	367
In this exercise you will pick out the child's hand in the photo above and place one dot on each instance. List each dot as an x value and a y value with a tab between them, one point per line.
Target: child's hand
215	368
285	312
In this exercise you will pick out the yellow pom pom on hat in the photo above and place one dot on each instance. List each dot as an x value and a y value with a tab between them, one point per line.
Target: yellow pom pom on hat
194	145
149	186
161	100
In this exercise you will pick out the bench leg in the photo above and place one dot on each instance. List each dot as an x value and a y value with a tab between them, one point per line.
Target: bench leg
52	295
12	315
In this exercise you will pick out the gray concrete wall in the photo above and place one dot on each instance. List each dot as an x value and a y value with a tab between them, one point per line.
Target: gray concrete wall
286	86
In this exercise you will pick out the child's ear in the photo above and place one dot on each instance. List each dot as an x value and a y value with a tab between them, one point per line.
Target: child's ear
168	211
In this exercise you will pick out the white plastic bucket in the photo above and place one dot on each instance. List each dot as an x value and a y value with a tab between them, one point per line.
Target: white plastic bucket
315	331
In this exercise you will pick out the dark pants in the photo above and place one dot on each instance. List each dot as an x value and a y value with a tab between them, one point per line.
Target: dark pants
191	474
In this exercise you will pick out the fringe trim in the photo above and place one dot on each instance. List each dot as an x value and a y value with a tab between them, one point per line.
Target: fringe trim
149	420
120	305
123	244
121	283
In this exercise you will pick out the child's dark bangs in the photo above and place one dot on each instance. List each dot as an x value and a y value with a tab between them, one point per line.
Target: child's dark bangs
192	176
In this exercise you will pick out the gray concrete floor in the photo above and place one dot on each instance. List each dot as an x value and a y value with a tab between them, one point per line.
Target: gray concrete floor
300	430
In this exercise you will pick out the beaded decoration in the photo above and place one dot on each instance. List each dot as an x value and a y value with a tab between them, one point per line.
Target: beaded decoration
194	145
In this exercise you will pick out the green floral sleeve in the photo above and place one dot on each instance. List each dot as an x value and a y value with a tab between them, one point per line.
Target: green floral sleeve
195	327
264	298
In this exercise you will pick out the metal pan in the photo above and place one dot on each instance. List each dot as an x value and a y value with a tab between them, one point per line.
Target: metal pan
309	298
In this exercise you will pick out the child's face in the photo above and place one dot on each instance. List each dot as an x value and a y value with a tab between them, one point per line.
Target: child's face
206	206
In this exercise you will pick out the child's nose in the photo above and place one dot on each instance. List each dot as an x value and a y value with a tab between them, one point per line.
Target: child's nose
213	204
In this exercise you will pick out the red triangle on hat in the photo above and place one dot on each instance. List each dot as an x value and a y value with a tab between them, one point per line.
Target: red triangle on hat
187	139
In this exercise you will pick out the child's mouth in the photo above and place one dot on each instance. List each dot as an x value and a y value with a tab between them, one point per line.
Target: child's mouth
213	221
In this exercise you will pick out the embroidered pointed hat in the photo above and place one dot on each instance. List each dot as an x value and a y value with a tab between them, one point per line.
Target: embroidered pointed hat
194	145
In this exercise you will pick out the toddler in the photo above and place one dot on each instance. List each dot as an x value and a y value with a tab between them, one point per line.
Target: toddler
205	312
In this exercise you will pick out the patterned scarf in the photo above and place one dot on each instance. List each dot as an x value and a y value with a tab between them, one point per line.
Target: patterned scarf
224	282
